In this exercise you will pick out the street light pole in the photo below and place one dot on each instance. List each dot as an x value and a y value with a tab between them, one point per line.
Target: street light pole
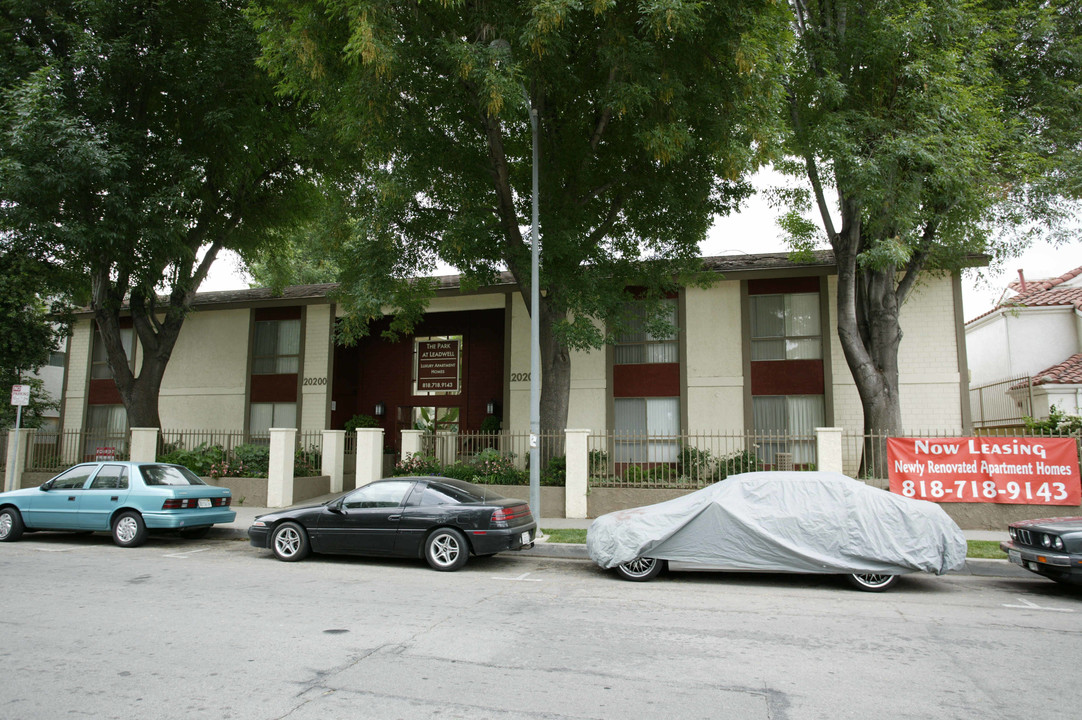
535	336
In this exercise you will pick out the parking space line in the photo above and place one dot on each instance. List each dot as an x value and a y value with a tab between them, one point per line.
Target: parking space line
186	553
1027	605
520	578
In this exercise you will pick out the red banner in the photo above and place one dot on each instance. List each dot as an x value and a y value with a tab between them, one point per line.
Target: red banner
1019	471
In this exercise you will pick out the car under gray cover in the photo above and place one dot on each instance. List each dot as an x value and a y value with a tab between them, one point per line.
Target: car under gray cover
804	522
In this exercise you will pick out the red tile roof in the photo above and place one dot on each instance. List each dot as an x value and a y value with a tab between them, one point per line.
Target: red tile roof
1068	372
1042	293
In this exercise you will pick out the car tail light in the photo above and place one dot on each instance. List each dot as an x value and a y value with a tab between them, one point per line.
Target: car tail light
505	516
185	503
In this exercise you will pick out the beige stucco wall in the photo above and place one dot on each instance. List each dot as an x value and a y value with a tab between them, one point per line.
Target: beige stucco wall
204	383
714	363
589	380
315	400
75	384
929	379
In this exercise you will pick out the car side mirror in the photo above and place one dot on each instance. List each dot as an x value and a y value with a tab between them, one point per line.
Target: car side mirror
336	508
46	486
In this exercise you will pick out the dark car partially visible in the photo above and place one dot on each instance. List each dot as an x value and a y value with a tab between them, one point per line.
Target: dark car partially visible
440	519
1051	547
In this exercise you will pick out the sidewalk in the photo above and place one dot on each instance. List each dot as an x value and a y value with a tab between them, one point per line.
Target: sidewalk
238	529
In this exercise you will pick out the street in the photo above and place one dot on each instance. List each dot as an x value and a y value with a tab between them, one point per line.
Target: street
218	629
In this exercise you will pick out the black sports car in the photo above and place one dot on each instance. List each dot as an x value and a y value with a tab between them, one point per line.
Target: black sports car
1051	547
441	519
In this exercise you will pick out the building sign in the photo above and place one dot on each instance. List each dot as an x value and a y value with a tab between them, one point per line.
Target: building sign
105	453
438	365
1019	471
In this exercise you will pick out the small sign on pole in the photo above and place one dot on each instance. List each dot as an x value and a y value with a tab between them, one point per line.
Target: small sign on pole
20	395
20	398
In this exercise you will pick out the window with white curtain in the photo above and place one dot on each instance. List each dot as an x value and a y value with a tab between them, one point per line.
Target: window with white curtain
786	327
277	348
638	346
264	416
106	426
787	424
647	429
99	358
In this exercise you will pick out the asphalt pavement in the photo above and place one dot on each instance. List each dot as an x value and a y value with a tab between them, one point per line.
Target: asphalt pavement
577	551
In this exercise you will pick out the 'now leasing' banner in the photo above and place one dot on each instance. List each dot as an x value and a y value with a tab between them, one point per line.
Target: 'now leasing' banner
1021	471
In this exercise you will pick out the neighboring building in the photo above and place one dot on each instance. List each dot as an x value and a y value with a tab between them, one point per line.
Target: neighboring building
757	350
1025	355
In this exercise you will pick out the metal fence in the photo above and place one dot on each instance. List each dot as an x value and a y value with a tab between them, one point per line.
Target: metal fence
51	450
233	453
692	460
488	458
1002	403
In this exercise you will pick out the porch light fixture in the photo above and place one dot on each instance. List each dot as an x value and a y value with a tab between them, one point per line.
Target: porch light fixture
380	409
491	407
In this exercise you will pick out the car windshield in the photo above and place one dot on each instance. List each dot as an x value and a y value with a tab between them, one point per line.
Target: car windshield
169	475
465	492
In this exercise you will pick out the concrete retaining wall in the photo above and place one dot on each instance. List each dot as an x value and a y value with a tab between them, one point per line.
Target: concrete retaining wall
252	492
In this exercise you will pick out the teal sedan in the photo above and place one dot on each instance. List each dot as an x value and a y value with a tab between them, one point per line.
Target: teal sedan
127	499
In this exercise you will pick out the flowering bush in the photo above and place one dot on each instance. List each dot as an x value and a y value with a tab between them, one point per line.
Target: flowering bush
418	465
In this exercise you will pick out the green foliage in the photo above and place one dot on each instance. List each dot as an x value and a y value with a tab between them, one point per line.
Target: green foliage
650	116
201	460
137	139
418	465
254	458
555	473
307	462
360	421
738	462
1057	423
926	132
491	424
494	468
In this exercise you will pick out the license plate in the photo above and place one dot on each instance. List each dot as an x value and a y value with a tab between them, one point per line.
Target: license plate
525	538
204	502
1015	557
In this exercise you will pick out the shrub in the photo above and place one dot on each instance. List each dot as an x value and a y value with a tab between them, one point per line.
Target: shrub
200	460
307	462
417	465
360	421
461	471
491	424
738	462
496	469
555	474
254	460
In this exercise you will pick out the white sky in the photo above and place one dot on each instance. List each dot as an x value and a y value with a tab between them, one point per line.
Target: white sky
754	230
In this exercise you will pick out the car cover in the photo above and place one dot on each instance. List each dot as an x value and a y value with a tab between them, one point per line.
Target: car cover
809	522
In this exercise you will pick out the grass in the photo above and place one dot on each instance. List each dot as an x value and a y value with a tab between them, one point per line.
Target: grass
986	550
980	549
565	535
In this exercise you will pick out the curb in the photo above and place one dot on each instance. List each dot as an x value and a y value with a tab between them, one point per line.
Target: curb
577	551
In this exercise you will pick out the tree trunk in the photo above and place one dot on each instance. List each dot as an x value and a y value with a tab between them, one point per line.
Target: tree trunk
140	393
556	380
870	334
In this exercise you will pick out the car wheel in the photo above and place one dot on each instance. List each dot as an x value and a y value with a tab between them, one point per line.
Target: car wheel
640	569
872	582
446	550
11	525
289	542
129	530
195	533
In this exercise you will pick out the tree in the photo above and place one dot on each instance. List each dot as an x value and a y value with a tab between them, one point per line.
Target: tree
138	138
908	111
650	116
28	333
